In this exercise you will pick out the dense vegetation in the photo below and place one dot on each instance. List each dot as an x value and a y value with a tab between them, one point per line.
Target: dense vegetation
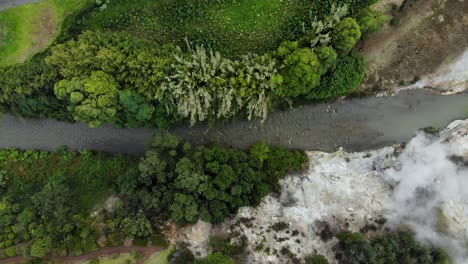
399	247
47	199
390	247
119	74
59	201
189	183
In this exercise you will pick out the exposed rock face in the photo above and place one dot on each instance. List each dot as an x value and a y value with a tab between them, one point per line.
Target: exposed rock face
448	79
354	191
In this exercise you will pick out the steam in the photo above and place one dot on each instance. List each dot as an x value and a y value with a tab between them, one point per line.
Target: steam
431	193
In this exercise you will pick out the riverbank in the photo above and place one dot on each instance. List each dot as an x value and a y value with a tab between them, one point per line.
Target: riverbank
354	124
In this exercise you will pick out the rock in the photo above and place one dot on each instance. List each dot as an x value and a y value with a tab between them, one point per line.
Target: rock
350	209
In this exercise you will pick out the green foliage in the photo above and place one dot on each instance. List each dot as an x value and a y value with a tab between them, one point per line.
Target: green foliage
224	246
140	67
350	238
92	99
260	150
395	21
27	89
346	35
370	21
208	183
11	251
110	76
217	258
136	226
3	179
41	246
50	197
136	108
182	256
345	78
388	249
281	161
301	73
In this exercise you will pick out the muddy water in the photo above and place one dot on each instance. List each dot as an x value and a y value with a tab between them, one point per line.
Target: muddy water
356	125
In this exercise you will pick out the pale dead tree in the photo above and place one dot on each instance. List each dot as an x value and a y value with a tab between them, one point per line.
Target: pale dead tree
202	84
262	81
321	29
197	85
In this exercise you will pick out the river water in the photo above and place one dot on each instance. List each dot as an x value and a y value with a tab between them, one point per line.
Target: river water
354	124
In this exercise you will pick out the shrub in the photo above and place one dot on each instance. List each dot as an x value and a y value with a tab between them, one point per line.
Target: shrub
183	256
224	246
388	248
217	258
316	259
346	35
8	243
370	21
11	251
395	21
345	78
41	246
301	72
350	237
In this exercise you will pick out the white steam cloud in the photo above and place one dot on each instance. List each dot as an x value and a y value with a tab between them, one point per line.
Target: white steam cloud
431	191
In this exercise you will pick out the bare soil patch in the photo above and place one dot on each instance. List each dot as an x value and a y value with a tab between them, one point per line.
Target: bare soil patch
429	34
45	28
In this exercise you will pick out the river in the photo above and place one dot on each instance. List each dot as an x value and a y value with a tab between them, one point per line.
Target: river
354	124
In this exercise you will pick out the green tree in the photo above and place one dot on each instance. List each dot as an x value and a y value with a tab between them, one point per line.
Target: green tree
346	35
137	110
316	259
347	76
41	246
217	258
327	57
92	99
261	151
184	208
301	72
370	21
11	251
136	226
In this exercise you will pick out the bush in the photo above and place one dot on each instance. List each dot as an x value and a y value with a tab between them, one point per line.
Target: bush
224	246
388	248
316	259
11	251
217	258
346	35
182	256
345	78
395	21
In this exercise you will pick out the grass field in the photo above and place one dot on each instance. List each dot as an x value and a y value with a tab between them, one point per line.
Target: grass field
27	29
160	258
233	27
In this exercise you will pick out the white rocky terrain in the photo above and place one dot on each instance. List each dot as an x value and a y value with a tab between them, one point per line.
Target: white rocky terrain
450	78
421	185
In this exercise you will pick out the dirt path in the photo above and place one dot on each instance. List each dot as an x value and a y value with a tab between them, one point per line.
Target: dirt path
146	251
430	34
